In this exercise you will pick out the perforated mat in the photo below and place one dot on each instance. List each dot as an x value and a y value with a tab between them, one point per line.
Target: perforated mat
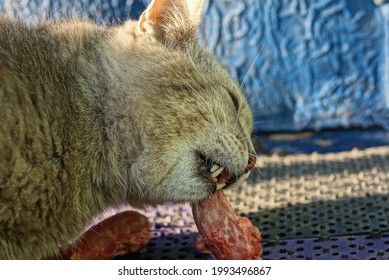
331	206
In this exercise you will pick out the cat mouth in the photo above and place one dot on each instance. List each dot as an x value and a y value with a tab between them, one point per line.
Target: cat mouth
222	178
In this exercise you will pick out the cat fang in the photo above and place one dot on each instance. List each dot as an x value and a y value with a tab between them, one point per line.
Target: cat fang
221	177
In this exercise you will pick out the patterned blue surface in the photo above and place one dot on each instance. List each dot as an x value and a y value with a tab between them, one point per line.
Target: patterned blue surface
303	63
320	63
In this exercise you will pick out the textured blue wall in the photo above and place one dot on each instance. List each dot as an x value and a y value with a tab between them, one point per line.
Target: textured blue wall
303	63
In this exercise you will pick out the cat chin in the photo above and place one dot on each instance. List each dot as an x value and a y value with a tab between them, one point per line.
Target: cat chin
183	194
174	190
171	198
195	192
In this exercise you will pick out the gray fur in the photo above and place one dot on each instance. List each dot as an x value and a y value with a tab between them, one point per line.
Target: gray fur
93	117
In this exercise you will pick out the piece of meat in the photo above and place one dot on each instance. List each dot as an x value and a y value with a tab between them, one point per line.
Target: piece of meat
120	234
223	234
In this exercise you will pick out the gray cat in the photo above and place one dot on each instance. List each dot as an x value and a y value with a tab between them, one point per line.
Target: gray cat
92	117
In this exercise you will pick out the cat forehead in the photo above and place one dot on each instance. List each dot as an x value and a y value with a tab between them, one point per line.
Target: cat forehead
210	65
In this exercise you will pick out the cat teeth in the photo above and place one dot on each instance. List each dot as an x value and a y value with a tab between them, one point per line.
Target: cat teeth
214	168
217	172
220	186
240	180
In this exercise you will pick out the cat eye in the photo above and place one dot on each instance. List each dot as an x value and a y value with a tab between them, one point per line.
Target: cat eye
235	101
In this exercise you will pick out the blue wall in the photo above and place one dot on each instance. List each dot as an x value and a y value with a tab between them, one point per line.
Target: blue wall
304	63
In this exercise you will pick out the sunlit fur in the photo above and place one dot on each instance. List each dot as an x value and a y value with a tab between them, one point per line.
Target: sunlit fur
92	117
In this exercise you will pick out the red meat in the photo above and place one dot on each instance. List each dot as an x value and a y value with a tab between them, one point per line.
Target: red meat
223	234
120	234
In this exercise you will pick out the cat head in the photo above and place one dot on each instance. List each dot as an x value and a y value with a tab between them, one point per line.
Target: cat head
194	123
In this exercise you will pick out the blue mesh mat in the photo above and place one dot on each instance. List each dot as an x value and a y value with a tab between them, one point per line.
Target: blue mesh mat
307	206
335	248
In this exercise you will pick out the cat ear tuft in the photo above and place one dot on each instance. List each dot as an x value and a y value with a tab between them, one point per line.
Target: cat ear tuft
173	22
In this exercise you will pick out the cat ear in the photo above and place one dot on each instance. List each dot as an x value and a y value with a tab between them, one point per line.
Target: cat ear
174	22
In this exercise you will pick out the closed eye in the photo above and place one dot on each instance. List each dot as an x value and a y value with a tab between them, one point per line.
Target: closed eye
235	101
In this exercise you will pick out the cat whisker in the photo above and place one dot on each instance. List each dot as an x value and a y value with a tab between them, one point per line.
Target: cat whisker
257	138
244	81
253	154
261	121
234	167
259	170
242	129
245	78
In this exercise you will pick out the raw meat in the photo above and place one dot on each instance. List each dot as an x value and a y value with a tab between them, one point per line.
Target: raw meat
223	234
120	234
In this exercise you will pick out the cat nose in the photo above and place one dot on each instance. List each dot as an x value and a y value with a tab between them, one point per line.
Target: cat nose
250	164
